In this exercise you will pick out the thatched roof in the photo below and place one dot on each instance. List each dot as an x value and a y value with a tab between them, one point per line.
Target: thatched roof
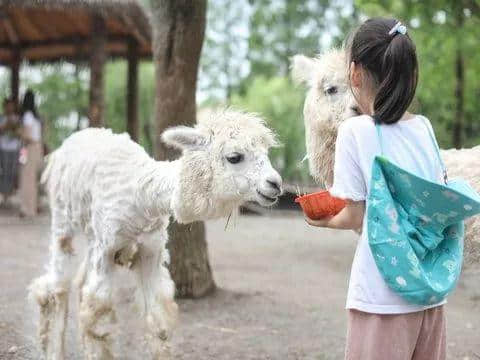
52	30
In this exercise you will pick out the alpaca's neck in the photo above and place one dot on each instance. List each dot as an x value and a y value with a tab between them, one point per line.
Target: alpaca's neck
157	184
181	188
321	150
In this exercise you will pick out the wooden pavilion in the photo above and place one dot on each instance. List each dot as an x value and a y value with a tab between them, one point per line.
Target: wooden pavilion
47	31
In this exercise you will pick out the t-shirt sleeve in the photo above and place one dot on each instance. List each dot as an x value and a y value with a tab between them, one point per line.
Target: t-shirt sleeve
348	179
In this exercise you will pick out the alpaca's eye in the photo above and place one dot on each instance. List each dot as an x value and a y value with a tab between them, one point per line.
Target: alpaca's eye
332	90
235	158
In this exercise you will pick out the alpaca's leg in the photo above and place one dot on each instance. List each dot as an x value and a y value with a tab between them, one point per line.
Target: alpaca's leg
51	290
156	297
79	283
96	314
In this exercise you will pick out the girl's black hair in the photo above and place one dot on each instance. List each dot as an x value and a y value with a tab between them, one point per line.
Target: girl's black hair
391	61
28	103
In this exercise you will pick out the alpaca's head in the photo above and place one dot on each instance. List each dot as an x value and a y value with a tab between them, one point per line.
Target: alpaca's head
329	102
224	163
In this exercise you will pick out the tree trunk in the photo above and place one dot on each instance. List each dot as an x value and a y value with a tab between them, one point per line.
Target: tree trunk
178	31
460	85
459	113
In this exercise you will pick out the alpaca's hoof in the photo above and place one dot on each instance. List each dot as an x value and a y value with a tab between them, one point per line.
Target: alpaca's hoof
158	328
53	302
161	322
163	335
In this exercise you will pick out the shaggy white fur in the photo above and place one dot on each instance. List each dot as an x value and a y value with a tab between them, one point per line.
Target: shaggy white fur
108	187
329	102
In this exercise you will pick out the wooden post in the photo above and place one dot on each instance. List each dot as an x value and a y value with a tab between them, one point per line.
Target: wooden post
132	90
15	77
97	62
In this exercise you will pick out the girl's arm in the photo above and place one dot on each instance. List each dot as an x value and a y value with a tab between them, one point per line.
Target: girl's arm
348	182
350	218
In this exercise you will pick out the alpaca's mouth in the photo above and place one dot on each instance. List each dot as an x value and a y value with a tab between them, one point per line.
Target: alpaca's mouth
266	199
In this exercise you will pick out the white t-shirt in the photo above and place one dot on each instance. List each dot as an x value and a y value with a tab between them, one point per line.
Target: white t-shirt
7	142
406	143
34	126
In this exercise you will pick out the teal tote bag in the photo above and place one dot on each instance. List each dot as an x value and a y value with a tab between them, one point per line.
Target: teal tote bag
416	229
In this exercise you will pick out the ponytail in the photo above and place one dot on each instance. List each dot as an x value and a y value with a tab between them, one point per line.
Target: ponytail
390	58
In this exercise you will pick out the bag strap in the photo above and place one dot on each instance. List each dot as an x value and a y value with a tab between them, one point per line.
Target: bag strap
437	149
432	138
379	134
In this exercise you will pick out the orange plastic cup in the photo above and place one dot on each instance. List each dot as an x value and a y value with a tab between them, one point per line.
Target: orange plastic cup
320	204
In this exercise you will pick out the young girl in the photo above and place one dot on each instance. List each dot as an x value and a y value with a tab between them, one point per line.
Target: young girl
383	77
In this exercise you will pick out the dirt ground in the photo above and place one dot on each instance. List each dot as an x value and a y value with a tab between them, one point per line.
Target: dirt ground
282	288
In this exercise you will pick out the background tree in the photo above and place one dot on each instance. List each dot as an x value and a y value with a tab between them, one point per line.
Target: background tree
223	63
178	29
282	28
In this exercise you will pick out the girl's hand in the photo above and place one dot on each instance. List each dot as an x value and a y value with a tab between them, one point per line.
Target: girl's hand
319	223
349	218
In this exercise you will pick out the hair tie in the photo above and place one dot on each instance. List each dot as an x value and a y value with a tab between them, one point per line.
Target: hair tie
398	28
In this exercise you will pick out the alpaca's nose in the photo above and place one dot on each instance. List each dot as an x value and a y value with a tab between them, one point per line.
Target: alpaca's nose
275	182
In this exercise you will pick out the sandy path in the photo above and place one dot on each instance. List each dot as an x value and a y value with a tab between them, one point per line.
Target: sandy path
282	291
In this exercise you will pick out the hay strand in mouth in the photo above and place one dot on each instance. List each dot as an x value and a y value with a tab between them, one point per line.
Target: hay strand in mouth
228	220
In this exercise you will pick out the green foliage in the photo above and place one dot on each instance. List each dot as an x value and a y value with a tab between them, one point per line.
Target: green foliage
225	49
281	29
4	85
281	104
249	38
116	104
62	98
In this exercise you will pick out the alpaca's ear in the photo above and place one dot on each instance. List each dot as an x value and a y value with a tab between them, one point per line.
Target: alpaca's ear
184	137
302	68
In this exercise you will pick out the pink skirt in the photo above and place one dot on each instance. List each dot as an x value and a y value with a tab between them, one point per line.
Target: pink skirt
413	336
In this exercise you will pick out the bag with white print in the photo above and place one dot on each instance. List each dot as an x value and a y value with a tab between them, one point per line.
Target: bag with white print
416	229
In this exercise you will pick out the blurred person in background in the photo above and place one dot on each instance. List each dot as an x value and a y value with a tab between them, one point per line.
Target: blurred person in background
10	143
31	156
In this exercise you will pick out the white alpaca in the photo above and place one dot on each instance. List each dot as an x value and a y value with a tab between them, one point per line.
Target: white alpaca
108	187
329	102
